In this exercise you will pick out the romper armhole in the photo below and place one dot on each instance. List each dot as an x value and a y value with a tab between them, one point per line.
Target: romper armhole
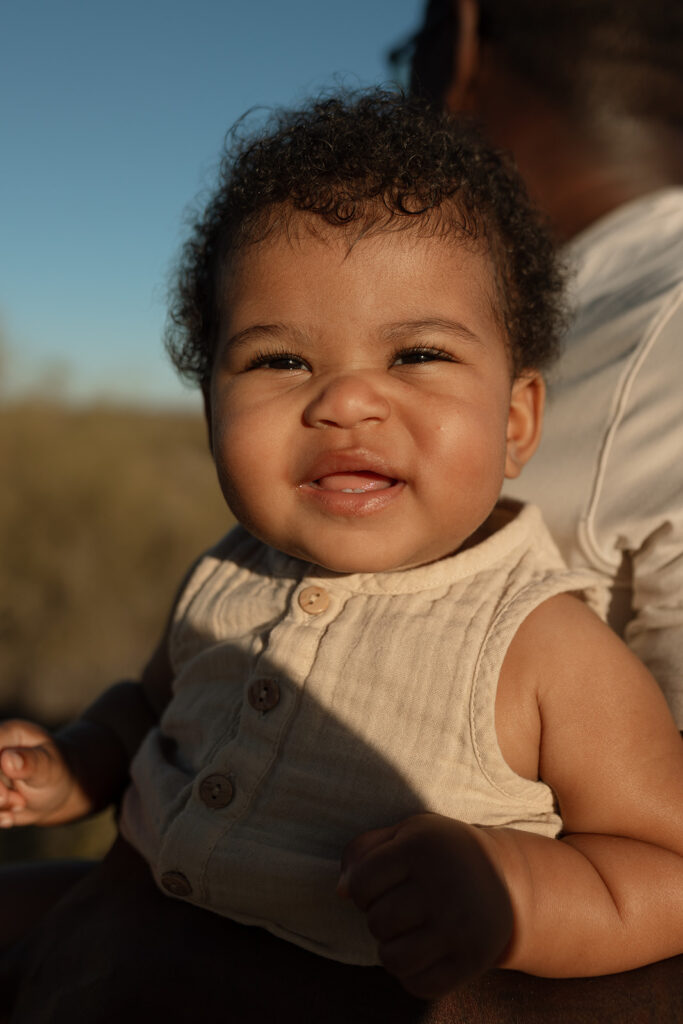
537	796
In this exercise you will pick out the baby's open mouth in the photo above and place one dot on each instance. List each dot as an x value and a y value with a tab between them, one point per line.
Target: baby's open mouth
358	482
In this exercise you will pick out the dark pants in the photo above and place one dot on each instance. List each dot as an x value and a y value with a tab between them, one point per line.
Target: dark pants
116	949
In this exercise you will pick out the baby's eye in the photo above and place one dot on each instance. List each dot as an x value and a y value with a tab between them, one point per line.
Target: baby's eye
278	361
409	356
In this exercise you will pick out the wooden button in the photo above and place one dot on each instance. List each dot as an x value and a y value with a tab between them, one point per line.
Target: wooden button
264	694
216	791
314	600
176	883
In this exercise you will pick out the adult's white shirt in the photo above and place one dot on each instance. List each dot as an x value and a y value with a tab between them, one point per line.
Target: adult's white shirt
609	471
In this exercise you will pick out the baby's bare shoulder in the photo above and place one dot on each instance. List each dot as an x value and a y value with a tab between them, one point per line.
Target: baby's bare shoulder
607	743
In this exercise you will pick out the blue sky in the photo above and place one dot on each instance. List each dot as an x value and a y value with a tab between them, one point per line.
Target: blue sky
111	119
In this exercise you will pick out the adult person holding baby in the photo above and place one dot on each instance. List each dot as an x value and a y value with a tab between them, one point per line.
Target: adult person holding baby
588	97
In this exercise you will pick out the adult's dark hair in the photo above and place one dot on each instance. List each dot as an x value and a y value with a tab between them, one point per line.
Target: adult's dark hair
363	163
590	57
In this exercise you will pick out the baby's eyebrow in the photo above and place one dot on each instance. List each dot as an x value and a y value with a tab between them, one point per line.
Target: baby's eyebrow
409	328
248	334
394	332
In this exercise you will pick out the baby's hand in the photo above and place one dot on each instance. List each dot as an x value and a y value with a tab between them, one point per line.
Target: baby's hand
436	905
35	781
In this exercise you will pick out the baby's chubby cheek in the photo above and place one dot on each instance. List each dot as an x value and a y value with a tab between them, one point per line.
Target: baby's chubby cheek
467	456
237	483
248	476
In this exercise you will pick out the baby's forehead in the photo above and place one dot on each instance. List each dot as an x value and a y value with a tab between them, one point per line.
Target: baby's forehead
443	231
435	266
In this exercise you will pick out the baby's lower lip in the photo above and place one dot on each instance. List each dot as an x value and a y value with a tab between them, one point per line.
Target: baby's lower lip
359	482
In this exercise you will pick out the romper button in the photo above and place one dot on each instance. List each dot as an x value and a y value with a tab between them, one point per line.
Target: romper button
314	600
264	694
176	883
216	791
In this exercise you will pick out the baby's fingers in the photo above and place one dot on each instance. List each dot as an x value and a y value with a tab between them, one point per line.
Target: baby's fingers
8	815
379	867
33	766
10	798
11	801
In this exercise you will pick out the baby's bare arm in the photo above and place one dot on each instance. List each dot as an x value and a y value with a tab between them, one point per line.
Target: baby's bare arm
609	895
589	904
606	897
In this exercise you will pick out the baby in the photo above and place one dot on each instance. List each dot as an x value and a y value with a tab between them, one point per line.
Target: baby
396	731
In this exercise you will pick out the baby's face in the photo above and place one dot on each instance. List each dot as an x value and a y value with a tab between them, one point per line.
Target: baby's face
363	413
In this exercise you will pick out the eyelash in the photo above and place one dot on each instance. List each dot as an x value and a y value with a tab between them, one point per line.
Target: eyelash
264	359
435	354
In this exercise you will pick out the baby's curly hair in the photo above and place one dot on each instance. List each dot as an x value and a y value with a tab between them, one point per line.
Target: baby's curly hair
370	162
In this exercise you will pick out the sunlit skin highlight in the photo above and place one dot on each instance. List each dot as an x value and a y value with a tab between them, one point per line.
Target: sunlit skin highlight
363	411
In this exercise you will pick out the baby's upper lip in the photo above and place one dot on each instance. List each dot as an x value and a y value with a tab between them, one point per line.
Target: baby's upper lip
352	461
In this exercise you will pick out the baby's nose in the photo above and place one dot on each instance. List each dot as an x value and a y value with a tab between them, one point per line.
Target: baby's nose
347	401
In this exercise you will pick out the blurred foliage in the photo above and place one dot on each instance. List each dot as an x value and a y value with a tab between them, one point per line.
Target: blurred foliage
102	509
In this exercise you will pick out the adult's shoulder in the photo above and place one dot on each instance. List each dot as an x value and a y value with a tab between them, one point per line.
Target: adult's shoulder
640	241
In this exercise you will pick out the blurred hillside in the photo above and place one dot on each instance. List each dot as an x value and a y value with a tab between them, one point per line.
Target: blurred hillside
101	511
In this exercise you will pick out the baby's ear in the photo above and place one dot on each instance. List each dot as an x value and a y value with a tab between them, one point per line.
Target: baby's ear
524	421
206	398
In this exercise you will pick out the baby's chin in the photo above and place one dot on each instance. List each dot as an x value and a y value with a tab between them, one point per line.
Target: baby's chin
355	551
355	562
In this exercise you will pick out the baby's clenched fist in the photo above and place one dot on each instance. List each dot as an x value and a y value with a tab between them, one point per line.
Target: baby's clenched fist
435	903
